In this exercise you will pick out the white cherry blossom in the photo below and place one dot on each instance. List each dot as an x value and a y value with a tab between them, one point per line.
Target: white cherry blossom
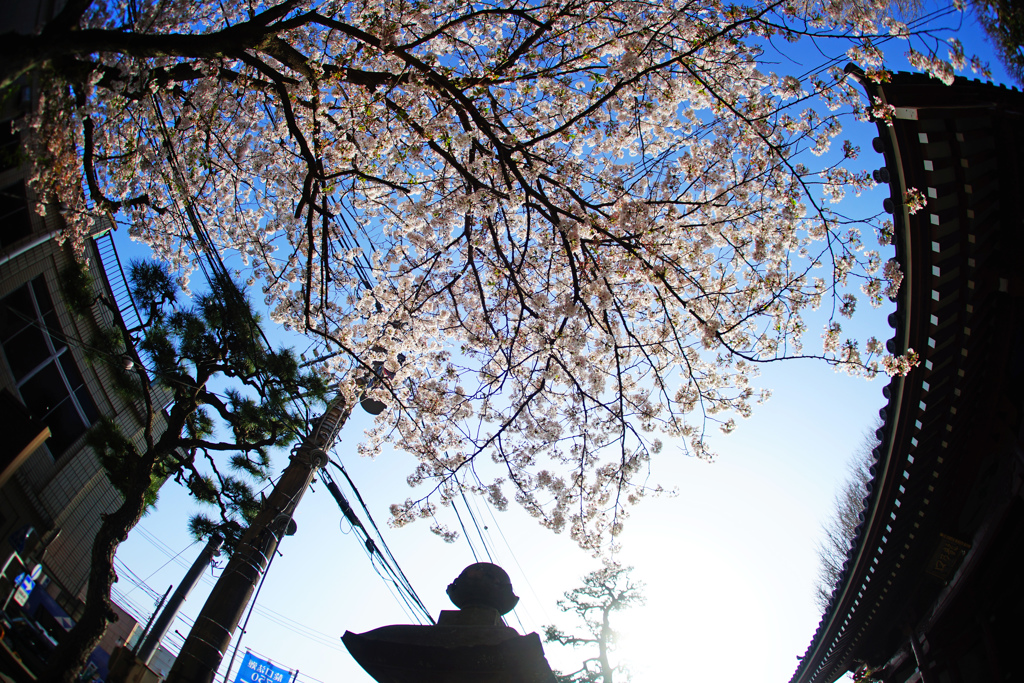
558	232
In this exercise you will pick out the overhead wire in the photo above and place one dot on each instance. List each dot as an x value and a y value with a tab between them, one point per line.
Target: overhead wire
286	623
522	572
140	614
373	546
297	627
134	579
152	574
303	631
393	586
487	549
134	609
390	561
465	534
159	544
348	239
482	526
206	251
476	525
209	260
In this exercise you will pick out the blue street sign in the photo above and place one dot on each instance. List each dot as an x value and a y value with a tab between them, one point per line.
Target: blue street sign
23	587
24	581
256	670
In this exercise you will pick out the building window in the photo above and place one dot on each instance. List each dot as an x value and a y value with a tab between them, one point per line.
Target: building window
15	222
43	366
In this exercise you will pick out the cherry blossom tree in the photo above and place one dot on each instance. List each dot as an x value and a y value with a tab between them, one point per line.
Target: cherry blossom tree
556	232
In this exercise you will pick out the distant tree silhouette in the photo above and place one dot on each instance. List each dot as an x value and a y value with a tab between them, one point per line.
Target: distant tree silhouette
841	526
603	592
1003	20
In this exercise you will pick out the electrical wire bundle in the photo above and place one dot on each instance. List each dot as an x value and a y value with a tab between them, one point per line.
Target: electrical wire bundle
384	561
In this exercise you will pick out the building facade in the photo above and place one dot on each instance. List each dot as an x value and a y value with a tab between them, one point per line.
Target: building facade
55	383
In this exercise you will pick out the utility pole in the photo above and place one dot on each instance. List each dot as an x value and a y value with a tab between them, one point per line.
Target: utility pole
149	624
208	641
163	622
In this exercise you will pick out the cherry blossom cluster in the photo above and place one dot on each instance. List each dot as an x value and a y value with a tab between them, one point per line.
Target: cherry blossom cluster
545	236
914	199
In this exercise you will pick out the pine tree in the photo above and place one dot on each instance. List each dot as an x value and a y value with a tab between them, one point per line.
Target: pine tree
230	404
603	592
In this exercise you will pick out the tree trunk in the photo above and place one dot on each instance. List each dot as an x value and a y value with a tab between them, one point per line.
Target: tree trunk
71	654
607	672
73	651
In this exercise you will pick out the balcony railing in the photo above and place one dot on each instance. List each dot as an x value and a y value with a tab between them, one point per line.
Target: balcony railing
117	282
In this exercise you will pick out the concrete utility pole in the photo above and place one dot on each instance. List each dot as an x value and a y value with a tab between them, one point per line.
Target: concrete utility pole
163	622
208	641
149	624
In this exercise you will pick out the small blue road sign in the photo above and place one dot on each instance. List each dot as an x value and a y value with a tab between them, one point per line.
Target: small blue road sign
256	670
23	586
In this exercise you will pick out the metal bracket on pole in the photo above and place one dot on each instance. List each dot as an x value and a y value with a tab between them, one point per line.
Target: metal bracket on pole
316	457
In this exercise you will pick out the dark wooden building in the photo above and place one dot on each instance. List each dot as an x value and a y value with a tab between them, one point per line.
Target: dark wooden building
932	590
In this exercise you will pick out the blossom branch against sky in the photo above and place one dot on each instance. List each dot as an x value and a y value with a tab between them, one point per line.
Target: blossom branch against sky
562	232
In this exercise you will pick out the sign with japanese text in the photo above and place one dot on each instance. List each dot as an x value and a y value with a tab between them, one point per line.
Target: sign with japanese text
23	587
256	670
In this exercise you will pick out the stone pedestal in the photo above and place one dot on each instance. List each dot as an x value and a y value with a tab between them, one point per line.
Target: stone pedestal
470	645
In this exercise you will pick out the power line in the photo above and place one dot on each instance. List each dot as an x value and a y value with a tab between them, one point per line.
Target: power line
373	546
134	579
155	571
475	524
465	534
270	615
473	517
206	251
526	577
